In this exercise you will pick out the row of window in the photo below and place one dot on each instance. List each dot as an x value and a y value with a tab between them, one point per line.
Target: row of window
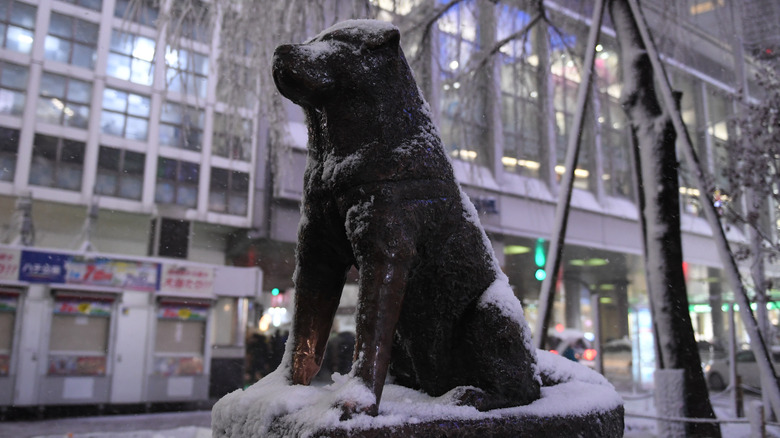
66	101
58	162
72	40
522	81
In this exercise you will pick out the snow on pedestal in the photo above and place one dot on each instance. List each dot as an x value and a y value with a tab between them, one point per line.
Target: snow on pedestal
575	401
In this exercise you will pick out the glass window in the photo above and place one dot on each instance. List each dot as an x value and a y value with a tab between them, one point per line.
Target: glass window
17	25
186	72
224	329
719	112
131	57
9	146
72	41
519	97
689	195
13	84
236	84
177	182
144	12
462	121
181	126
232	137
64	101
57	162
229	191
565	64
120	173
615	144
612	122
125	114
195	21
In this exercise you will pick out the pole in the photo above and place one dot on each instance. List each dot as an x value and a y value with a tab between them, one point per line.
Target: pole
736	385
730	266
596	313
547	293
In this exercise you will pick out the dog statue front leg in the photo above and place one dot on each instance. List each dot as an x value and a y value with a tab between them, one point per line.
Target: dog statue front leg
319	280
383	277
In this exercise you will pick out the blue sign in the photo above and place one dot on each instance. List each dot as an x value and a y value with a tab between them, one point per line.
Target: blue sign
41	267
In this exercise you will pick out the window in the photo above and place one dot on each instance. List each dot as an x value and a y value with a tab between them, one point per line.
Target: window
519	97
691	115
57	162
720	121
125	114
181	126
120	173
459	123
234	40
612	122
232	137
9	147
186	72
13	84
237	85
169	238
565	64
177	182
72	41
131	58
95	5
17	26
195	21
224	330
229	191
64	101
615	144
144	12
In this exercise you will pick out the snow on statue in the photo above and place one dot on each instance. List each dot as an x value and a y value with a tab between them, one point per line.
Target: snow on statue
435	313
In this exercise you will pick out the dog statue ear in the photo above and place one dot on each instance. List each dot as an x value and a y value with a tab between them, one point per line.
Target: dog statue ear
390	37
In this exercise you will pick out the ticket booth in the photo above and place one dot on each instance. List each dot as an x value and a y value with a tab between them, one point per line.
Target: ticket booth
179	356
78	348
9	321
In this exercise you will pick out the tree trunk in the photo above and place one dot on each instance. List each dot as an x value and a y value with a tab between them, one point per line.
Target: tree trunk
654	142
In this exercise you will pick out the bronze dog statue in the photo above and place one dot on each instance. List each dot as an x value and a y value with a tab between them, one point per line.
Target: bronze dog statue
434	307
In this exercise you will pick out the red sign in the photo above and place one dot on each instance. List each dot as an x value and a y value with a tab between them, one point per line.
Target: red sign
9	264
187	280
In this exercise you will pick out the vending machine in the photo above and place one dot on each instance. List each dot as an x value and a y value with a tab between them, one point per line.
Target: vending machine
78	348
9	303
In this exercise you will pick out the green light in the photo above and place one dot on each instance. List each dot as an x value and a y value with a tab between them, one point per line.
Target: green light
275	291
699	308
540	258
540	274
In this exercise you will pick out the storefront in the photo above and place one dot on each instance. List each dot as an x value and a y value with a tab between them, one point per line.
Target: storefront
180	354
78	348
98	329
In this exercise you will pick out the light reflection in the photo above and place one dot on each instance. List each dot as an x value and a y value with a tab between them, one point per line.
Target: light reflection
579	173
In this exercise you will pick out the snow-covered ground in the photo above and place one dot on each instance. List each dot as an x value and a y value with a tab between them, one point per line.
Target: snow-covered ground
190	424
196	424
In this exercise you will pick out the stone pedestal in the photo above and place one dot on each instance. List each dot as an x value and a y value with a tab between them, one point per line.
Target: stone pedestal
576	401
